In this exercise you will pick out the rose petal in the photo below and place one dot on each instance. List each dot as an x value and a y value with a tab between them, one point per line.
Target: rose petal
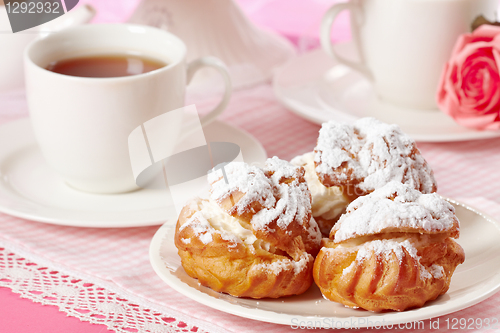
492	126
496	42
441	92
471	49
496	57
491	85
491	93
480	84
449	87
487	31
450	105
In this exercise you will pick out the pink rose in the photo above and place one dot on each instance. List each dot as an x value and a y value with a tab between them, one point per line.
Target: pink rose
469	90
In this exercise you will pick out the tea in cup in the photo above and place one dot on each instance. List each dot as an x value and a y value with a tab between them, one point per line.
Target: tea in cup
82	121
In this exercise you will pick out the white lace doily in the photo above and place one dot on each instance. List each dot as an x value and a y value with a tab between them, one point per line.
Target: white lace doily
87	301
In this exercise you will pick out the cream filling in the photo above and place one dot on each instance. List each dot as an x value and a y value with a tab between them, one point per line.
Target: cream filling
228	225
285	264
327	202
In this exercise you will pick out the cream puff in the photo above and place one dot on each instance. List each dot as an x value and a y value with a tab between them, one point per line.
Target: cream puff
254	236
354	160
392	250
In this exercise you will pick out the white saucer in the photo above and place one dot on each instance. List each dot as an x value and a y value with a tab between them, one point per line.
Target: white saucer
474	281
317	88
29	189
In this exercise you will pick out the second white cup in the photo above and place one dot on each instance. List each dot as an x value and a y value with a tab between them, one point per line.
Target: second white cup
82	124
404	44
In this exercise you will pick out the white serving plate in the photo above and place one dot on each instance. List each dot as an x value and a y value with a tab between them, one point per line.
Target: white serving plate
474	281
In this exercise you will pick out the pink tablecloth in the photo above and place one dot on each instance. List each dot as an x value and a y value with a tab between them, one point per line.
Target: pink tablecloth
104	276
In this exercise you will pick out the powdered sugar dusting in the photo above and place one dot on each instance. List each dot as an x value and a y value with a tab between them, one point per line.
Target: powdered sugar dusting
280	188
386	248
395	206
299	266
275	267
231	238
278	266
313	231
243	178
200	226
294	203
437	271
374	153
383	248
349	268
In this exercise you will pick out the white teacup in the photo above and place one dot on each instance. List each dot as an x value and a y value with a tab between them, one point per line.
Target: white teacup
82	124
12	45
404	44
